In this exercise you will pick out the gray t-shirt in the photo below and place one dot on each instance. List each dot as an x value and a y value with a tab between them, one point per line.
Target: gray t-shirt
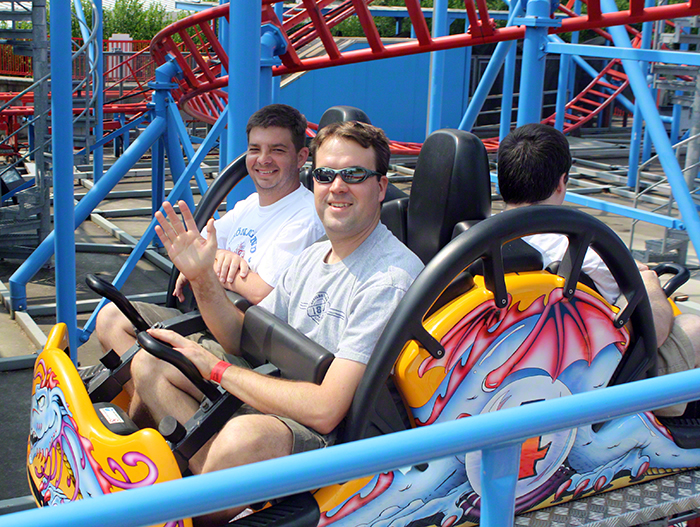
345	306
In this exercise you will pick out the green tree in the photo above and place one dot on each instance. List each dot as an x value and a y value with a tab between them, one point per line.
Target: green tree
127	16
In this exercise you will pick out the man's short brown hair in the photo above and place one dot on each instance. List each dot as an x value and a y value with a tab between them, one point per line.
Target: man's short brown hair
366	135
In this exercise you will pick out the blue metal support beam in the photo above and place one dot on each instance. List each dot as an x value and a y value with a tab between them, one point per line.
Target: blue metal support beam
18	281
581	63
502	464
272	44
437	68
489	76
537	23
222	31
637	122
635	146
98	152
62	239
657	132
507	92
624	52
562	91
243	82
277	81
571	83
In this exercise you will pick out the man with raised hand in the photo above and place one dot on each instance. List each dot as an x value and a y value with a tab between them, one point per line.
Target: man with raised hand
258	238
359	275
533	169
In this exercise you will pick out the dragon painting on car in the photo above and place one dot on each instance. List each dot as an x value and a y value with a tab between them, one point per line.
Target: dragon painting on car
540	347
71	455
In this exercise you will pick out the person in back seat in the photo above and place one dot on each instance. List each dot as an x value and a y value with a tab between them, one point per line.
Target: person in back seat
340	293
258	238
533	169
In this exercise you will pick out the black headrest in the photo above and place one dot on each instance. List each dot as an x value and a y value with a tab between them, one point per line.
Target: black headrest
451	184
337	114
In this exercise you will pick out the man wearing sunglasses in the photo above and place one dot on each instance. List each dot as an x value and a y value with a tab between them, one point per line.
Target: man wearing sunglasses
339	292
258	238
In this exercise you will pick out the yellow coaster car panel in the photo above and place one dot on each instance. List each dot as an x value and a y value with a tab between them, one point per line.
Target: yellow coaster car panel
71	455
542	346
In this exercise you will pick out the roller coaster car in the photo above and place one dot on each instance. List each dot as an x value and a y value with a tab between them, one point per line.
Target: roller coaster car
76	450
459	344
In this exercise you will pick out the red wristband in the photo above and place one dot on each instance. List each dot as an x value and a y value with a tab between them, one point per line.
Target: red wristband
218	370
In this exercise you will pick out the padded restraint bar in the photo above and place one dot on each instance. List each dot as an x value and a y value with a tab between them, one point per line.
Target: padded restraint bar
266	338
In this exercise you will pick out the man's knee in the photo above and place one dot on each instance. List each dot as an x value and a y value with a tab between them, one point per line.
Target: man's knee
110	320
145	366
690	324
248	439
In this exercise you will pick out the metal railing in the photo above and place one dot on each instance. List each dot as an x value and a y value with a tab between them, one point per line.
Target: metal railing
659	181
498	435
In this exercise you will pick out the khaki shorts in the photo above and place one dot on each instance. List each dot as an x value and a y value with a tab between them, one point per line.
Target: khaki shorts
304	438
675	354
153	313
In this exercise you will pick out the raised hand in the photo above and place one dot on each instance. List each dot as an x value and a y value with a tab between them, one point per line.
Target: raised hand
188	250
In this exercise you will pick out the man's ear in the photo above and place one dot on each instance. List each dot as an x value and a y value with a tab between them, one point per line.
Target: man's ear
563	180
302	156
383	184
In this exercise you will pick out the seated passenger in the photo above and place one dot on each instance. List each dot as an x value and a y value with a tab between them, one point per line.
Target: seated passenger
533	169
354	281
258	238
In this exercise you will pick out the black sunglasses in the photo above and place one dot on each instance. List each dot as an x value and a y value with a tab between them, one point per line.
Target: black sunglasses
350	175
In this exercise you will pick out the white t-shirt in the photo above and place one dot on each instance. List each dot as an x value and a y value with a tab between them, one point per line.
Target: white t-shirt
553	247
269	237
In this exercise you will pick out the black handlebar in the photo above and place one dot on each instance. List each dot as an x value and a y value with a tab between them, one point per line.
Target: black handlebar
164	352
681	276
107	290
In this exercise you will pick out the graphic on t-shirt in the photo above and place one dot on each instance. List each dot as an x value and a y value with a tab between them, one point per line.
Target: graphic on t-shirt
320	307
251	236
240	250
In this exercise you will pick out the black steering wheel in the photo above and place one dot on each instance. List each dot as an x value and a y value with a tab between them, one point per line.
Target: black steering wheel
680	276
485	242
104	288
159	349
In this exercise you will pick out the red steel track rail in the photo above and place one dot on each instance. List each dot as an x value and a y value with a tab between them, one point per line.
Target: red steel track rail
192	42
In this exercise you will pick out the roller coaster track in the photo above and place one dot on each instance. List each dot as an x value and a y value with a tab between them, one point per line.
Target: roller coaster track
193	43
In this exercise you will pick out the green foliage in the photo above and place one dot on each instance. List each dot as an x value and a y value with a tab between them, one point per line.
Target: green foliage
128	16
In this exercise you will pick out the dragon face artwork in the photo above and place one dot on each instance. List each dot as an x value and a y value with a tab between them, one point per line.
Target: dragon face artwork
541	346
70	454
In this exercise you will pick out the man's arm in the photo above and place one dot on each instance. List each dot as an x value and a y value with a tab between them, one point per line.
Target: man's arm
194	257
235	275
321	407
660	307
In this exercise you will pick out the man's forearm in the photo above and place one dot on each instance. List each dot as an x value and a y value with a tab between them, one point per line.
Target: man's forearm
223	319
320	407
252	287
660	307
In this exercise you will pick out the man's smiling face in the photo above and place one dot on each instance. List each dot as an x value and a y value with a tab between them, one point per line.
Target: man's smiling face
273	162
348	210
